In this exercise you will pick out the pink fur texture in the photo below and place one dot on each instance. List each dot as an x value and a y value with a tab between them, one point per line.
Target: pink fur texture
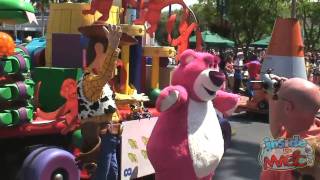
226	102
170	147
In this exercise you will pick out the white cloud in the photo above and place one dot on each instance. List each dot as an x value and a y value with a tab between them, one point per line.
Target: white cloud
190	2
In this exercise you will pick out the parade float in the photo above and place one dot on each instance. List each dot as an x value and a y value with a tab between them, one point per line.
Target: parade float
39	109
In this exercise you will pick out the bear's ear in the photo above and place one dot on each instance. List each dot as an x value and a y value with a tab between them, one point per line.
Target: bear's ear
187	56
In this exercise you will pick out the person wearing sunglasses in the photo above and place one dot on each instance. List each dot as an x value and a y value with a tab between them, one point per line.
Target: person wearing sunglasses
292	111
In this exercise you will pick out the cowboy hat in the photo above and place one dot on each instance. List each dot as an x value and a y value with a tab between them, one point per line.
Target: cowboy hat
96	31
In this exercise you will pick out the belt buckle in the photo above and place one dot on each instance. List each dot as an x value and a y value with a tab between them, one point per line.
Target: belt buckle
114	128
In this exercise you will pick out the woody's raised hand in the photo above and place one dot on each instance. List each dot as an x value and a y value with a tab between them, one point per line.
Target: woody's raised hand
113	34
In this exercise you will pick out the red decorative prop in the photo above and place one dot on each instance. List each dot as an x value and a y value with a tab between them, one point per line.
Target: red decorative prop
118	83
151	11
102	6
199	40
33	129
185	31
122	75
67	112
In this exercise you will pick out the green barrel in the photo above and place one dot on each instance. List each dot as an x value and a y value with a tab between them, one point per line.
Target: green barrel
22	115
21	50
6	118
15	64
21	90
17	116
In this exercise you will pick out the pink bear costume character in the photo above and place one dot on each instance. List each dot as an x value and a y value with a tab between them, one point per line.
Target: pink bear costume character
186	142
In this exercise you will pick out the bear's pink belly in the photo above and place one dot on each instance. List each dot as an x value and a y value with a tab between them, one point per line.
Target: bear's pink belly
168	148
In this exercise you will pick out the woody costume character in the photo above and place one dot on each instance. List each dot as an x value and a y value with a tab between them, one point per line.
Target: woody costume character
97	107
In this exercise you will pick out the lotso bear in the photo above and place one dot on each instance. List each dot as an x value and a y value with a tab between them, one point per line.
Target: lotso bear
187	142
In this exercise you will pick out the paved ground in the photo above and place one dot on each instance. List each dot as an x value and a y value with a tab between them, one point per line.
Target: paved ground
240	160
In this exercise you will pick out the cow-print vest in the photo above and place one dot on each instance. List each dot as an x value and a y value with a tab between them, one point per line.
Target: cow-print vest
106	104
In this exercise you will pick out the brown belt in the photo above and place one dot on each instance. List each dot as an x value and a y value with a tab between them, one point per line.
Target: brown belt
106	122
98	119
114	128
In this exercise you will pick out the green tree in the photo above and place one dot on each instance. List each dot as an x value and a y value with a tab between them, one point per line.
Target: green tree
243	21
308	13
207	14
251	20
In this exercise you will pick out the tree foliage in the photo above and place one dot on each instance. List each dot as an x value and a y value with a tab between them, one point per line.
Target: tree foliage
243	21
308	13
207	14
246	21
251	20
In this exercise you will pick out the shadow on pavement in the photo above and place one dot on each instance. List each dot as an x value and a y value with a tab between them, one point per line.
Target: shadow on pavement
248	118
240	162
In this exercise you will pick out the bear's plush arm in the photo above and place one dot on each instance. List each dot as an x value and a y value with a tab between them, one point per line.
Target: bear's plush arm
225	102
171	97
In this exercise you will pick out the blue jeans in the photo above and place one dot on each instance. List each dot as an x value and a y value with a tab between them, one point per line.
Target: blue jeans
237	81
107	164
250	87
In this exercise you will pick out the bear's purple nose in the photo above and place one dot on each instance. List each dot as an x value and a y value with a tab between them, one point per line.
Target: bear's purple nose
217	77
